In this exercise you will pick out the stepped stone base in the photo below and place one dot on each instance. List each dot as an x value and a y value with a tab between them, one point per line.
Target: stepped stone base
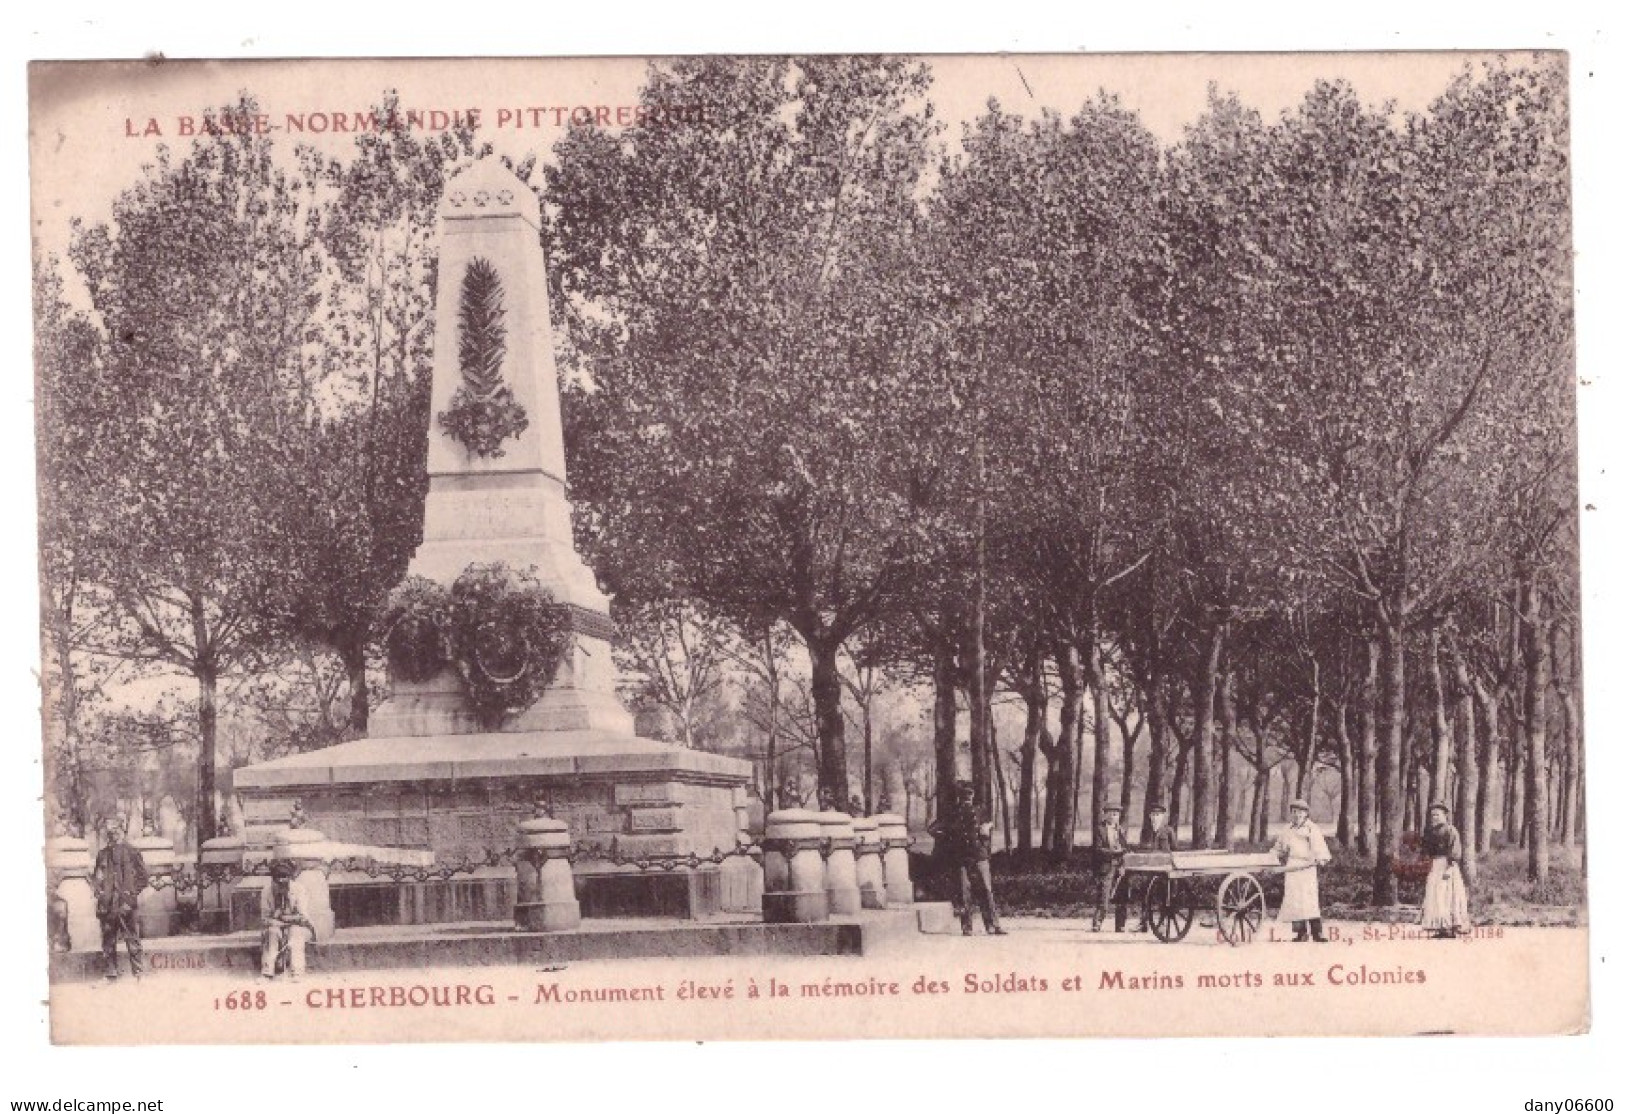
462	797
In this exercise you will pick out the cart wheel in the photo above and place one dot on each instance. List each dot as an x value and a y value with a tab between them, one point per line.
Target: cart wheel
1166	910
1240	907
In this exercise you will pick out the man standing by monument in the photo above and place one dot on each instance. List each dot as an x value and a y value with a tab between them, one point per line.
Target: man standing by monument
118	879
963	837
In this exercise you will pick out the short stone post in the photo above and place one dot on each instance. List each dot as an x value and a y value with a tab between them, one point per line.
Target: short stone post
893	831
841	868
68	857
306	849
545	899
742	869
793	888
155	907
871	871
221	858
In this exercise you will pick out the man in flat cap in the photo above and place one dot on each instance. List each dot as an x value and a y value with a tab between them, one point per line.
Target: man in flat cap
1162	839
118	879
1302	850
1110	847
964	838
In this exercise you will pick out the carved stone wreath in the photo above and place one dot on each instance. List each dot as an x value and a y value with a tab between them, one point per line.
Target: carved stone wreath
508	635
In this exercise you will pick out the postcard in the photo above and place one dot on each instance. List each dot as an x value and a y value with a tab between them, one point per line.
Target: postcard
737	548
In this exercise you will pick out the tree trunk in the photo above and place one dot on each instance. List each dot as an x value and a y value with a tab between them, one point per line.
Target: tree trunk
1037	709
999	784
78	794
1513	778
1536	678
1564	659
1368	750
1176	804
1439	776
1489	716
1224	829
1156	770
976	698
1098	780
1255	810
208	821
1467	779
1062	805
944	721
1347	782
353	655
1202	767
1390	789
826	697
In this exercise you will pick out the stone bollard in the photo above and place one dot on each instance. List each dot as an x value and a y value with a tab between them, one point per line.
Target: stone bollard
307	849
155	908
222	854
841	867
546	894
871	871
742	870
893	831
793	888
69	857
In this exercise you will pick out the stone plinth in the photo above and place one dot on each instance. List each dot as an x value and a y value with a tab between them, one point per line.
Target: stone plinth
841	867
893	831
794	890
155	908
546	889
460	798
870	854
742	871
69	858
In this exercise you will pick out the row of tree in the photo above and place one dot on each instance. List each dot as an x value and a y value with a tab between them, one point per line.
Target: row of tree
1267	434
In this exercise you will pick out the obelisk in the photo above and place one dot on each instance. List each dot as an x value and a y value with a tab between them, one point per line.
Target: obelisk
511	507
430	776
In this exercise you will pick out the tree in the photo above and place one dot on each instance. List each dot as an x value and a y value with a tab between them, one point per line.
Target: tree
72	403
1041	235
741	431
672	657
204	284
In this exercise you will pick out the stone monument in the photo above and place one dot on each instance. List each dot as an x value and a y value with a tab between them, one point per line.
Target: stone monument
434	775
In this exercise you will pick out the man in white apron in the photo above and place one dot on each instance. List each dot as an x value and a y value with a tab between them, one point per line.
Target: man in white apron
1303	851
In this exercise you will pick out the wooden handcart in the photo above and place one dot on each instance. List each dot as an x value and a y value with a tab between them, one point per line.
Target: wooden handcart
1178	883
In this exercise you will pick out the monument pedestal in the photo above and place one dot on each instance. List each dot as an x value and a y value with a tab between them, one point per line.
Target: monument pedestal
463	797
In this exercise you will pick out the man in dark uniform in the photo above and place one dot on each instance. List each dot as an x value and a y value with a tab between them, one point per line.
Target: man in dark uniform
1162	839
1110	847
118	879
963	838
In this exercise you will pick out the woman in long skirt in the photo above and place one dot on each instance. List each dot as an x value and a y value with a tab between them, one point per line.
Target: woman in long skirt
1303	851
1444	901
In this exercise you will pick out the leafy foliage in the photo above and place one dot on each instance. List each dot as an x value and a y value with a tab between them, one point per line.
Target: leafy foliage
416	623
483	412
